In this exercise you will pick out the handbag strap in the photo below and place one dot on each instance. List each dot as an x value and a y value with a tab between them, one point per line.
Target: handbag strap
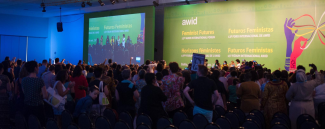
101	86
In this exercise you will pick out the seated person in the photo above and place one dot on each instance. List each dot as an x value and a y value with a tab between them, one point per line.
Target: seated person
85	103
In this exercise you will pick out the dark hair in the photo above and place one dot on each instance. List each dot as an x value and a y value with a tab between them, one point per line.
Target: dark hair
58	68
93	88
173	66
160	67
203	70
30	66
226	62
254	75
301	67
225	68
242	77
268	76
293	78
51	68
165	72
87	68
126	73
110	61
98	72
110	73
260	73
187	76
237	60
149	77
284	75
57	60
44	61
61	76
234	82
215	74
91	70
217	61
145	68
7	58
142	73
233	73
19	62
159	76
277	74
77	71
248	76
114	65
68	67
6	65
147	62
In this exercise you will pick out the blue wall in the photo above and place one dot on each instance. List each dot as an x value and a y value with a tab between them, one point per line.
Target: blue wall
67	44
23	26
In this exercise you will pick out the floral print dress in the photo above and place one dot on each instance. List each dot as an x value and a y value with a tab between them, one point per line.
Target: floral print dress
172	85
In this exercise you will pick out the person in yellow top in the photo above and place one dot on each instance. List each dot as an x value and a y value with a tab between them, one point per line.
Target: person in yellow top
224	64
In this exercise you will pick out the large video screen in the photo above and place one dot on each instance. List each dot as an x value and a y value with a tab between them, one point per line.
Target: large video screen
120	38
279	34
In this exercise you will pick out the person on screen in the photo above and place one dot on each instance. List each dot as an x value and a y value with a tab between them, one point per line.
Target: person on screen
139	39
123	41
101	40
118	40
107	40
112	42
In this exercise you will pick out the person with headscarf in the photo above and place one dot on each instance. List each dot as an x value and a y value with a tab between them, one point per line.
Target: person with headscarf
300	95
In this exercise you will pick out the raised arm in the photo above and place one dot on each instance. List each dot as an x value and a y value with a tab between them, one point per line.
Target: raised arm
188	96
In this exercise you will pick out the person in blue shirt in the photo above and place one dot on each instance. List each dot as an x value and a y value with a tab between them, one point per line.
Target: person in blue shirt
42	69
268	78
85	103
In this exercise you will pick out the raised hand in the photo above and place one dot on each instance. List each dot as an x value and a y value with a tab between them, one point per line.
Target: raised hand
289	35
297	51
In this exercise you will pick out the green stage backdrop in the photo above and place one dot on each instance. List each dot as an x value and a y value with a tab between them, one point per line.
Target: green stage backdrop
100	21
277	33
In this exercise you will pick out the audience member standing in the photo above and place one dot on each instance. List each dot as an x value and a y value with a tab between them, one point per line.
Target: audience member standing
124	93
17	69
152	98
104	88
223	79
205	93
49	77
222	98
319	95
172	87
4	100
42	69
59	88
249	93
273	100
300	95
140	84
81	83
35	91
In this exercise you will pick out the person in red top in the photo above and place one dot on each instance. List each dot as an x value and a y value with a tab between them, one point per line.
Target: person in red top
81	83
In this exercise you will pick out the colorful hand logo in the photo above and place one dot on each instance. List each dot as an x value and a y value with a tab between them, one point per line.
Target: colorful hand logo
289	26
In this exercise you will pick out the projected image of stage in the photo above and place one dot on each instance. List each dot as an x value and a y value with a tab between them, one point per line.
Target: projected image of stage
117	37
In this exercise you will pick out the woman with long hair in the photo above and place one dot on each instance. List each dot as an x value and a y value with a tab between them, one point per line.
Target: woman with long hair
81	83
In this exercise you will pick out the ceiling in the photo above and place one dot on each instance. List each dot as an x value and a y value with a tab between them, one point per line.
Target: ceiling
71	7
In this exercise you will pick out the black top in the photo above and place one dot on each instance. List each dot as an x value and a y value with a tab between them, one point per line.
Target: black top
93	83
126	95
151	98
16	72
221	87
203	90
9	75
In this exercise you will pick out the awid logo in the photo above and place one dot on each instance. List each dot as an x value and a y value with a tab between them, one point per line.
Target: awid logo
192	21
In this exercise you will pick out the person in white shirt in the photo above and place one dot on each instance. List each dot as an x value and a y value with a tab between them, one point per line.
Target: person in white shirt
150	66
123	40
223	79
118	40
238	63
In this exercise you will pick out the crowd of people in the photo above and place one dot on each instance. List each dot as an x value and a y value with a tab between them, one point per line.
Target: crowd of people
154	88
119	49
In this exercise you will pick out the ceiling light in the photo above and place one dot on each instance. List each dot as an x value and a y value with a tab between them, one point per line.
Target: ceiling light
83	4
112	1
88	3
43	9
101	2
